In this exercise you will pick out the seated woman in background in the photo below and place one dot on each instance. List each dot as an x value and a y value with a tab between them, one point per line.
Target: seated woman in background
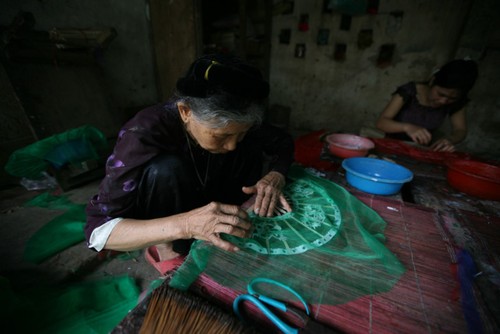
416	110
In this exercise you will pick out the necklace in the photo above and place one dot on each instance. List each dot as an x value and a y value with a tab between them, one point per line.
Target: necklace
203	182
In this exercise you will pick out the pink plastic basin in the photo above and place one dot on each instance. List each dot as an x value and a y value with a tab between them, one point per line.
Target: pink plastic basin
345	145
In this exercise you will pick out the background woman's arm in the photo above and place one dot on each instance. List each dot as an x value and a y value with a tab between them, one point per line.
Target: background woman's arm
387	123
457	135
459	127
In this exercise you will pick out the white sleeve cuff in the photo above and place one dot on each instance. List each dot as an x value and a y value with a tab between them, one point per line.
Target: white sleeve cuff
100	235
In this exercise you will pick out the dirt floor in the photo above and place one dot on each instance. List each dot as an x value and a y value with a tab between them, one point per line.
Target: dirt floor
19	223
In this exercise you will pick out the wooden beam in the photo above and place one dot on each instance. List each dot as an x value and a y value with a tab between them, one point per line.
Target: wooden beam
176	40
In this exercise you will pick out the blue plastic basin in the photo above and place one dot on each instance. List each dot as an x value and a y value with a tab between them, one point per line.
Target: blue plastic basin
376	176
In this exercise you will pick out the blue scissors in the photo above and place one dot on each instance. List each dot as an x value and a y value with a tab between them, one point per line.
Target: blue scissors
261	300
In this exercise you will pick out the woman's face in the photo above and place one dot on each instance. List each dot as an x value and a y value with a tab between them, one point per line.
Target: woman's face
440	96
219	140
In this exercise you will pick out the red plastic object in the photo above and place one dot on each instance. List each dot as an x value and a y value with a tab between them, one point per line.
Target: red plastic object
347	146
475	178
163	267
308	150
399	147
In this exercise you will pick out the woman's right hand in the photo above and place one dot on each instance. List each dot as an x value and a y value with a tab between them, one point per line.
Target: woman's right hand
443	145
418	134
208	222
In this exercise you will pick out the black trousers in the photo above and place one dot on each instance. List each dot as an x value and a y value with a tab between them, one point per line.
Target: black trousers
170	185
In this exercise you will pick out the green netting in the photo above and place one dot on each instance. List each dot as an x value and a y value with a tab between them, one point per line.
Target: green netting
50	201
330	248
88	307
73	146
58	234
314	222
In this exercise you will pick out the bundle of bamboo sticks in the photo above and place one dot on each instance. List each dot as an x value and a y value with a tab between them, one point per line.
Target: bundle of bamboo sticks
174	311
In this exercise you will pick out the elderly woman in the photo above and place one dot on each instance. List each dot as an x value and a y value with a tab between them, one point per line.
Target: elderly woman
416	110
181	170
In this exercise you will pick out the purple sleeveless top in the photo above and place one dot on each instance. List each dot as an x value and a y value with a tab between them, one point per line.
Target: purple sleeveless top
415	113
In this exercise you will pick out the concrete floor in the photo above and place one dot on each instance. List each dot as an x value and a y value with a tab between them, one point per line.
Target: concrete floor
76	263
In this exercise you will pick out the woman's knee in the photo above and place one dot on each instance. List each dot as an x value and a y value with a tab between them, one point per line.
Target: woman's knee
165	167
164	187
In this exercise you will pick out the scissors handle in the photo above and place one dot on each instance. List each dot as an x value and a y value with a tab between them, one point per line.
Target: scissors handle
259	300
280	305
285	328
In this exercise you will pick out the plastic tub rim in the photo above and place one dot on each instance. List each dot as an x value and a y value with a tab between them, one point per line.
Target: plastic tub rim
389	188
374	179
452	165
367	140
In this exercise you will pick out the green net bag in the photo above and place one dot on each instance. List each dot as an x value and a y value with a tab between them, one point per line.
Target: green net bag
330	248
73	146
58	234
95	306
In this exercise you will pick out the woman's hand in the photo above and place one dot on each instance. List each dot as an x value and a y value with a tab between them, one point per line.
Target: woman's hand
443	145
268	194
207	222
419	135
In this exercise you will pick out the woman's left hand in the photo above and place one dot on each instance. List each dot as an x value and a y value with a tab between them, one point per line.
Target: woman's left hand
443	145
268	195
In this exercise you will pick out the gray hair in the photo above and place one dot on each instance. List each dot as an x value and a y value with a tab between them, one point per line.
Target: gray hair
213	112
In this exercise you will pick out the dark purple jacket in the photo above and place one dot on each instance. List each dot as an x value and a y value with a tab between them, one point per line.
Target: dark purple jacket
155	130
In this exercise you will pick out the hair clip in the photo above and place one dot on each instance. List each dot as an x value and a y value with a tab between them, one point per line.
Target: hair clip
208	69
